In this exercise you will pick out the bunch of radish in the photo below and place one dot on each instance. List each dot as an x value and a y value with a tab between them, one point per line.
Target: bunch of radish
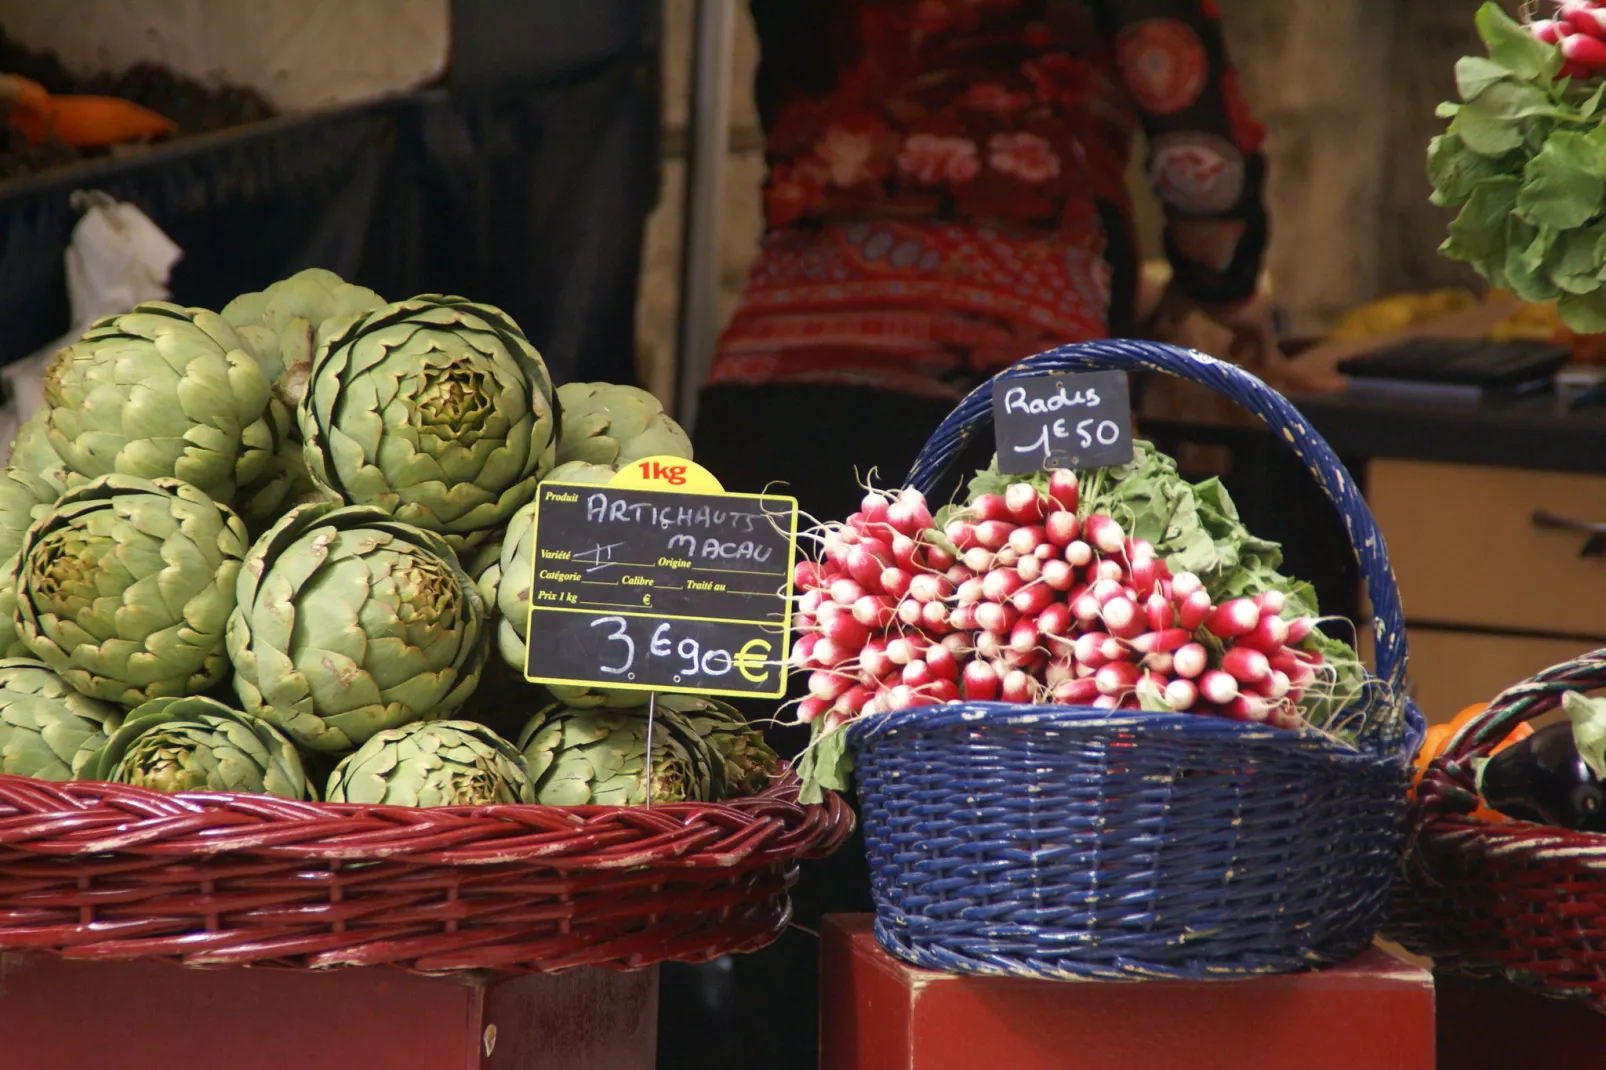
1021	599
1579	30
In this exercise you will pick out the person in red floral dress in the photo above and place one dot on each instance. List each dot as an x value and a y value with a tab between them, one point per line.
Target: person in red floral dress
946	195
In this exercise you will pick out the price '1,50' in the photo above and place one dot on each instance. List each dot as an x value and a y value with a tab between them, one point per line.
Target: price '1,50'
690	658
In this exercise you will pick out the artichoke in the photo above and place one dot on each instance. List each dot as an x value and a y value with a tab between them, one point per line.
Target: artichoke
125	588
750	763
615	425
199	744
162	391
32	452
516	569
579	757
437	763
284	324
24	498
350	623
48	730
437	411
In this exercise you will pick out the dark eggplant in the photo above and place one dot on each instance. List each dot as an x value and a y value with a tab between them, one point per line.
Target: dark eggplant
1545	780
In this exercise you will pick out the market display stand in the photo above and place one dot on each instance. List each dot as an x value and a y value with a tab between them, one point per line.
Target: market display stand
57	1014
878	1013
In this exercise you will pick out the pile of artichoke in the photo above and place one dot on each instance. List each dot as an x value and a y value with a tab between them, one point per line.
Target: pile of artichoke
275	550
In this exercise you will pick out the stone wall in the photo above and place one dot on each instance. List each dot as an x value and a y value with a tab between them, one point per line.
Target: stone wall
1346	90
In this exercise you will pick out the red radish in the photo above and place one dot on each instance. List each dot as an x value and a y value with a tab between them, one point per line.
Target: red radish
970	592
1189	660
1058	576
806	574
1158	612
980	682
873	660
1145	574
1016	687
1277	685
977	559
865	568
962	533
963	617
1218	687
1251	708
1023	637
1000	583
1074	692
804	623
942	662
1180	695
1104	533
1546	30
1284	660
1270	601
1232	619
853	700
1108	570
957	645
1160	663
990	507
845	630
904	551
845	592
1061	528
943	691
829	653
937	558
1059	670
1107	591
1115	649
1025	540
909	613
1586	51
909	513
874	507
906	648
1085	608
1032	599
1580	17
1046	551
934	617
1089	648
1106	702
1165	641
958	574
1269	636
1116	678
1246	665
1299	628
835	549
803	649
895	582
1062	487
810	708
1025	505
1083	669
989	645
1122	619
1078	553
996	617
902	697
918	674
1055	619
994	534
810	602
927	587
827	685
1030	568
1572	70
1006	558
1184	584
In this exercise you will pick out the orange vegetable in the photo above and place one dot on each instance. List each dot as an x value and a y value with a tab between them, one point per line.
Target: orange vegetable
1439	737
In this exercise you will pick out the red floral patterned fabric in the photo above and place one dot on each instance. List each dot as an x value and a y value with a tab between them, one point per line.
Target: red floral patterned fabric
943	176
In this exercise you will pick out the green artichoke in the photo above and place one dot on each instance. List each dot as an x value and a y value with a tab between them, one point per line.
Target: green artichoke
48	730
751	765
24	498
579	757
615	425
284	324
31	452
125	588
436	763
516	569
162	391
436	410
350	623
199	744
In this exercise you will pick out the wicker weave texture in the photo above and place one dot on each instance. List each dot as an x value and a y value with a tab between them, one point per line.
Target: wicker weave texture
1073	843
105	871
1516	899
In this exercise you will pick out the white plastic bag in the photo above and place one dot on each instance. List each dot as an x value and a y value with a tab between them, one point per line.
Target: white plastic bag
117	259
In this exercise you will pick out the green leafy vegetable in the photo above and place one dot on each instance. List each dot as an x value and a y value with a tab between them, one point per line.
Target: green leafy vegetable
1524	161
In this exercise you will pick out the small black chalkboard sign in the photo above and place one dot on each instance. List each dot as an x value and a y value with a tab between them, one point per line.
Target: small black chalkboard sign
661	590
1062	421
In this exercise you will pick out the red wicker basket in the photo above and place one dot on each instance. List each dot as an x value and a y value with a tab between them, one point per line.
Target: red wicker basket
1512	899
105	871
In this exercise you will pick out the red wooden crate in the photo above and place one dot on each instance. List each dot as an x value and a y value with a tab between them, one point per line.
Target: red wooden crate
1494	1025
57	1014
877	1013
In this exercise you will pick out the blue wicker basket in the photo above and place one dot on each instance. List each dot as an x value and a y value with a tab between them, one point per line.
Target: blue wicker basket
1073	843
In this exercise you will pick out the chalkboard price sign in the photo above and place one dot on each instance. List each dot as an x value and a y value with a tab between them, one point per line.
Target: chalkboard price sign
1062	421
661	590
